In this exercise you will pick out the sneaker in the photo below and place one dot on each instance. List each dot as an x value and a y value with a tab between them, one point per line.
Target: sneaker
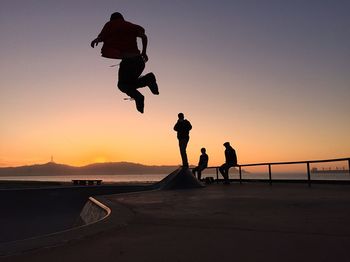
140	104
153	86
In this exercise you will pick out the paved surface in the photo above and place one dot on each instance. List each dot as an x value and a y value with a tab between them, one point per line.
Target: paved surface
249	222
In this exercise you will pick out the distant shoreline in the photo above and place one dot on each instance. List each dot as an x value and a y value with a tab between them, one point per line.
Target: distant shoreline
110	168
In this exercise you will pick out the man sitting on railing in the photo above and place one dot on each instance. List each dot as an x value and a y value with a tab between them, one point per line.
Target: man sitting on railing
202	164
231	160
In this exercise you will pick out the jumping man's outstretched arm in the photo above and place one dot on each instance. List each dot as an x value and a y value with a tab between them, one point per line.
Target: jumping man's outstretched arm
95	42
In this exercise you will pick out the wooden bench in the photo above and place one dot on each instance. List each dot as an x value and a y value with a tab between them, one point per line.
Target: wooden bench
84	182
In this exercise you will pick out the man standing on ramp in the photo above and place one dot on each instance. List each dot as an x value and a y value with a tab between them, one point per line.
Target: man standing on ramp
183	127
119	39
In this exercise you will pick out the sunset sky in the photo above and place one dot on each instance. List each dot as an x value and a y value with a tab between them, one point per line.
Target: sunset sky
270	76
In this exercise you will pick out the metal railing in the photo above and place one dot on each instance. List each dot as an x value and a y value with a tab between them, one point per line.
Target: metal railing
269	165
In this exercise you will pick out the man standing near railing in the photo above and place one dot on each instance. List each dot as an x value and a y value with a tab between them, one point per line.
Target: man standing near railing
183	127
230	161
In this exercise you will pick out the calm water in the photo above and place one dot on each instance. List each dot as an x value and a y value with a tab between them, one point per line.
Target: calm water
105	178
158	177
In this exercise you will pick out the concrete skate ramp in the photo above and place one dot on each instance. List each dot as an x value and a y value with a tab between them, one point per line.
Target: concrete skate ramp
181	178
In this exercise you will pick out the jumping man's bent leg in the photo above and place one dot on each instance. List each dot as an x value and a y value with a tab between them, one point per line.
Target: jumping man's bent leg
128	76
139	99
150	81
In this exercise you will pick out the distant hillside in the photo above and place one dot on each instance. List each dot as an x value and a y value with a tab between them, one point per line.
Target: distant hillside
113	168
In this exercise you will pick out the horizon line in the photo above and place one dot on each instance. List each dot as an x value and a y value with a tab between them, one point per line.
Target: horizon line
246	165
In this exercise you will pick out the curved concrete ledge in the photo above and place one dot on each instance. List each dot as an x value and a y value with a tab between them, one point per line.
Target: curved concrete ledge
94	211
93	220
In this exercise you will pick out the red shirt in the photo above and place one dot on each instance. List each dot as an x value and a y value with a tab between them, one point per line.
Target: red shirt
119	39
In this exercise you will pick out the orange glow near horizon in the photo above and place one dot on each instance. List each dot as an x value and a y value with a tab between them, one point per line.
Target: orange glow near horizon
112	130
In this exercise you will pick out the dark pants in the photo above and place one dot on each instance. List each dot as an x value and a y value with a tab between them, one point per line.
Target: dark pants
129	80
224	170
183	145
199	170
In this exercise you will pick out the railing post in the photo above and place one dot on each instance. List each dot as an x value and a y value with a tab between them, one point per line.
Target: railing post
349	165
308	173
240	174
270	178
217	175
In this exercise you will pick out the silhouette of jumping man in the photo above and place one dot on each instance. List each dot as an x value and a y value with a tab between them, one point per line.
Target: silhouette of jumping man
183	127
231	160
202	164
119	39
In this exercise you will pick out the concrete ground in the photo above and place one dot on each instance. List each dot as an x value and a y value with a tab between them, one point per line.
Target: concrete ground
248	222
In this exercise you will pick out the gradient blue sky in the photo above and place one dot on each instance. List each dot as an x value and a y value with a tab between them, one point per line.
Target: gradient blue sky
272	77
